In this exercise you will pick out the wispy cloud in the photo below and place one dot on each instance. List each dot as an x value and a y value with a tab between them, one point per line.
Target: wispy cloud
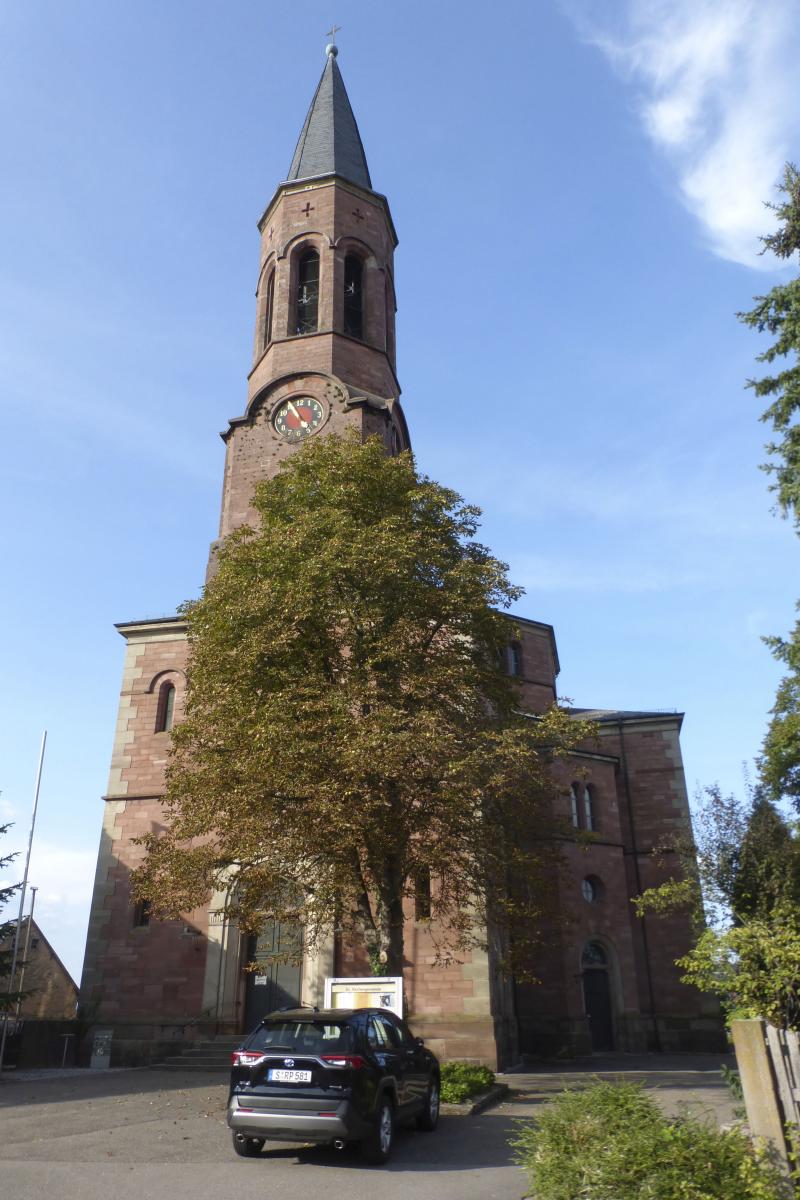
63	875
64	878
718	95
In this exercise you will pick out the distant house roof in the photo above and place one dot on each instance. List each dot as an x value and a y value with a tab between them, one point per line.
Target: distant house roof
50	991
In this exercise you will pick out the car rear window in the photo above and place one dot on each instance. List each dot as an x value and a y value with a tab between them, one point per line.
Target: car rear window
302	1037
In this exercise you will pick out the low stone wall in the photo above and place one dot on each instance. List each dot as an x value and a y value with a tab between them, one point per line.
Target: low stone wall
37	1043
467	1039
140	1044
633	1034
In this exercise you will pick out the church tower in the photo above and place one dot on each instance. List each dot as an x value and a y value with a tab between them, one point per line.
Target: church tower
324	347
323	361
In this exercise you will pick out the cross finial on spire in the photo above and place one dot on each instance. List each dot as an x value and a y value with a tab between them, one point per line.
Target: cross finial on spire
332	49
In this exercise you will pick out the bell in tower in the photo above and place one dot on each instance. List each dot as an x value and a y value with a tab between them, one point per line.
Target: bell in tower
324	353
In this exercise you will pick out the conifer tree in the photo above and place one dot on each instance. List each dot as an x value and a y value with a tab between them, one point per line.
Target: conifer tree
8	998
767	871
778	313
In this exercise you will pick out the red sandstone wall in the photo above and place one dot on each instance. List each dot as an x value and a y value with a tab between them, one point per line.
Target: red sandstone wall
154	972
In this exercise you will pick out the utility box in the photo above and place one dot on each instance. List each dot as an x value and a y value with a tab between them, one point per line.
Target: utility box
101	1049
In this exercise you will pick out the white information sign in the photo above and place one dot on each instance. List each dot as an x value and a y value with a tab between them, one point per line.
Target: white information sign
372	991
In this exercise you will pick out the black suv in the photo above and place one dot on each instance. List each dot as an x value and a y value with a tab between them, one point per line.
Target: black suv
332	1075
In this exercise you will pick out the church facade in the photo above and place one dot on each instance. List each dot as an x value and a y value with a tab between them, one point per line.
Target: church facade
324	361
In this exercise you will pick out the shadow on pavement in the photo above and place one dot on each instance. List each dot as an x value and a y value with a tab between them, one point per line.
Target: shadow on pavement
459	1144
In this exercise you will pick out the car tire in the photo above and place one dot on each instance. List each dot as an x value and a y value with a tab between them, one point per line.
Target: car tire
428	1119
247	1147
376	1147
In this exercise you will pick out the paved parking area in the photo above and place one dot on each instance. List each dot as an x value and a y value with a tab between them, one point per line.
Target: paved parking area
144	1135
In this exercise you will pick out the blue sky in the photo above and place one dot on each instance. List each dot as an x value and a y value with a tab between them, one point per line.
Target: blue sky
578	193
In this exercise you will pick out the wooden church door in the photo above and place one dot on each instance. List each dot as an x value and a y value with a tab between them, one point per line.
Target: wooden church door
597	996
274	983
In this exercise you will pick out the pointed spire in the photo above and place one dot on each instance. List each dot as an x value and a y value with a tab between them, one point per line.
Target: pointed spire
329	142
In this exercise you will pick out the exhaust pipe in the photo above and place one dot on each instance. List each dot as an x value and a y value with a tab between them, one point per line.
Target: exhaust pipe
338	1144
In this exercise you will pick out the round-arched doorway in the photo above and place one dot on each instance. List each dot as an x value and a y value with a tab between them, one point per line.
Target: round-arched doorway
597	996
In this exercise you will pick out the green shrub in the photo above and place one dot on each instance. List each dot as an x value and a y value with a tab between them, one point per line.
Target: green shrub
461	1080
611	1142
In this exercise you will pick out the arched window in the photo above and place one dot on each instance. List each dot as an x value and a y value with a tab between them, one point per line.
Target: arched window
354	296
581	804
307	295
588	808
514	658
165	708
593	956
268	307
573	805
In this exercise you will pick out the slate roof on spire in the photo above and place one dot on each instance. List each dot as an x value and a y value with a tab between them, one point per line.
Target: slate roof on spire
329	142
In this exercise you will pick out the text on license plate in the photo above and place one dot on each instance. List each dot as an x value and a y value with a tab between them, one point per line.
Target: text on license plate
282	1076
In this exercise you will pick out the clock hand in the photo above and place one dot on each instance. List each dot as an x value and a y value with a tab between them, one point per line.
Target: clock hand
297	414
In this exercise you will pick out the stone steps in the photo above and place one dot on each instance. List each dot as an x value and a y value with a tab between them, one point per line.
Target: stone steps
214	1056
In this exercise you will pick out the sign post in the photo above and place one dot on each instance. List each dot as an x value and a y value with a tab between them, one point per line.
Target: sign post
370	991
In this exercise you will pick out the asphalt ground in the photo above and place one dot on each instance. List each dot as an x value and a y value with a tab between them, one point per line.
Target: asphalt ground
144	1135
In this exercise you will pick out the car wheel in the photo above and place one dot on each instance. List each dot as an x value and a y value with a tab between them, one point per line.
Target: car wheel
247	1147
377	1146
428	1119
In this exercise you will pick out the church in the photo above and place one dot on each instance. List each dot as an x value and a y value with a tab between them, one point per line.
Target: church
324	361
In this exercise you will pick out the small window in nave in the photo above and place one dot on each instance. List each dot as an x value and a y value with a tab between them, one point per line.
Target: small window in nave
588	808
573	805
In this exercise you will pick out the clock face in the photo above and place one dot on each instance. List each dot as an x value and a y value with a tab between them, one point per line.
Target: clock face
296	419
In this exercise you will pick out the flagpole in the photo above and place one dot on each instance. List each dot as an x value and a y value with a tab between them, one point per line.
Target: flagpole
18	929
24	963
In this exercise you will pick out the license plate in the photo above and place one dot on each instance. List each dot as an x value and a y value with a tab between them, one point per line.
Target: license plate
282	1076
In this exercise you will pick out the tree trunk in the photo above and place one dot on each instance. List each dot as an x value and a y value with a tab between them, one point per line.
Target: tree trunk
393	936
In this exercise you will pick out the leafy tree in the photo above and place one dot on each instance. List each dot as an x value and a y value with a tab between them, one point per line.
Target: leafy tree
740	879
8	998
348	727
754	967
746	877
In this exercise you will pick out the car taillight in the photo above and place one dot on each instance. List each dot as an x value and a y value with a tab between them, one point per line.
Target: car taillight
344	1060
245	1058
